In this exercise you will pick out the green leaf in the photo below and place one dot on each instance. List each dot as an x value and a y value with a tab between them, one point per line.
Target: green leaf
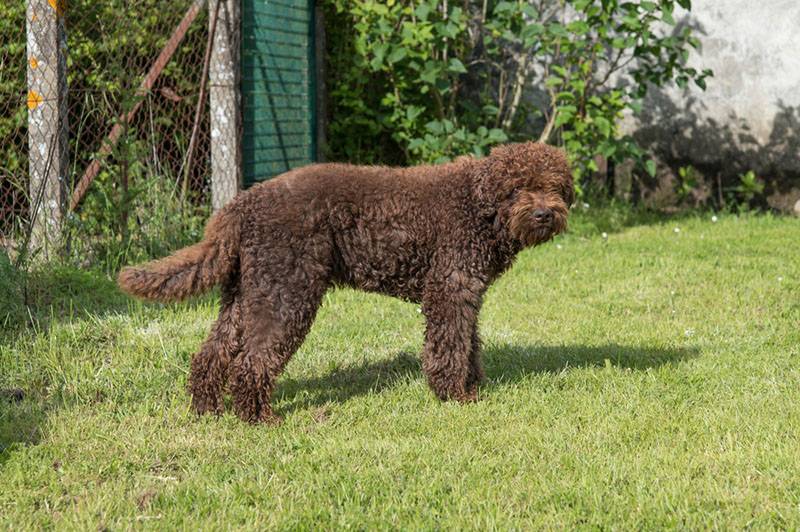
397	55
565	114
700	82
603	125
380	53
503	7
430	73
413	111
497	135
435	127
553	81
557	30
578	27
455	65
422	11
650	166
618	43
529	11
531	31
666	16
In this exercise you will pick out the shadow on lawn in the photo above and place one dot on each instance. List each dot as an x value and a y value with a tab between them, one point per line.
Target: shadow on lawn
64	293
512	362
20	422
507	363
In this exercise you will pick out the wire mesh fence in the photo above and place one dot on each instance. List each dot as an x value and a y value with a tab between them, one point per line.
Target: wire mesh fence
96	98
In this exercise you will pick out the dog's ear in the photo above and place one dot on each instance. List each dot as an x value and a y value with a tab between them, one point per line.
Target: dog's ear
569	197
483	187
492	185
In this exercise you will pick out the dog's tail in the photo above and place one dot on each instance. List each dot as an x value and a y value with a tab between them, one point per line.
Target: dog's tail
191	270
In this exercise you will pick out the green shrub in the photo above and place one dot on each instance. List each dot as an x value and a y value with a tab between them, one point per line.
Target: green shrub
749	189
442	79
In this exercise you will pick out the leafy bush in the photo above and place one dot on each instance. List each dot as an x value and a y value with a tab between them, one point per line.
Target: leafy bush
398	74
686	184
441	79
750	188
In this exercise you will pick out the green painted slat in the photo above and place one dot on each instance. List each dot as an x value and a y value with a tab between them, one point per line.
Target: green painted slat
273	168
276	143
288	139
274	39
269	126
291	12
279	114
273	75
277	153
280	24
277	86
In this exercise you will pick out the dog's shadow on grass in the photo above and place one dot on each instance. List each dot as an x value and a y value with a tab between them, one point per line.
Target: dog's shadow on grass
502	364
20	422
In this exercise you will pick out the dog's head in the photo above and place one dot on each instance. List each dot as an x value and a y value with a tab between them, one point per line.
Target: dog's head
528	189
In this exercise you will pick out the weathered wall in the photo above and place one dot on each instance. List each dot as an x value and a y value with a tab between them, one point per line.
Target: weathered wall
749	117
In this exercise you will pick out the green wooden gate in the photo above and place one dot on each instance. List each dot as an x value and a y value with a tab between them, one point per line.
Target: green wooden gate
278	87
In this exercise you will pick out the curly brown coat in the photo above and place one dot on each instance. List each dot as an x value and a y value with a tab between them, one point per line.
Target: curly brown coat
435	235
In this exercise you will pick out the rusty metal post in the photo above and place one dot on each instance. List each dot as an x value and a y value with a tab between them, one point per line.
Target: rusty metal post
47	123
224	98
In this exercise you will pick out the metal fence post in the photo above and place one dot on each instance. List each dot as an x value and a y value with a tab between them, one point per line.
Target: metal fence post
47	122
224	98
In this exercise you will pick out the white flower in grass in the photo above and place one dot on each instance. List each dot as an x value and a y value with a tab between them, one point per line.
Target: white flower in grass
688	333
677	230
604	235
714	218
585	205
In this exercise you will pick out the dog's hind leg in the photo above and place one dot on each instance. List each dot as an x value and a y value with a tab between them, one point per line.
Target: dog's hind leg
476	374
449	357
276	319
209	369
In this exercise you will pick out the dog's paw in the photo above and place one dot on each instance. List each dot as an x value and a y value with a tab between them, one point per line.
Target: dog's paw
258	415
267	417
207	405
470	396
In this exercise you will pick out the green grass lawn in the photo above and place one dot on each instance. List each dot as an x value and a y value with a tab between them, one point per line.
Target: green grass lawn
647	379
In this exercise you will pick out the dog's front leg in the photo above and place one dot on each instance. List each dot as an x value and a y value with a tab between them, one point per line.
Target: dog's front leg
449	358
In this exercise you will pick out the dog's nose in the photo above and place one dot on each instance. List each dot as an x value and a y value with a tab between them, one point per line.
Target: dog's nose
543	216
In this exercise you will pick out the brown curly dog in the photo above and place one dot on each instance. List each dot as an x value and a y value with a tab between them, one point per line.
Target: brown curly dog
435	235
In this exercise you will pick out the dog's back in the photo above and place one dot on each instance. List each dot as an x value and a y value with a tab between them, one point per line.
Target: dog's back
383	224
380	226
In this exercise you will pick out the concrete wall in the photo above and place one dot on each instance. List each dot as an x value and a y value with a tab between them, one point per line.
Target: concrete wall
749	117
